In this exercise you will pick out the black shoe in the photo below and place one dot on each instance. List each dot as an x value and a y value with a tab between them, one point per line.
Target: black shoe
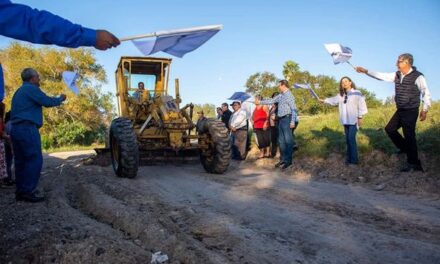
412	167
286	166
26	197
280	163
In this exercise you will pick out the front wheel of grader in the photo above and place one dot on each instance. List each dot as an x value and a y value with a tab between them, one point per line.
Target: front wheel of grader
217	157
124	148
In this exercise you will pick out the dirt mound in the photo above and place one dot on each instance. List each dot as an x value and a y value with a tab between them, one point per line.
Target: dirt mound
377	170
101	158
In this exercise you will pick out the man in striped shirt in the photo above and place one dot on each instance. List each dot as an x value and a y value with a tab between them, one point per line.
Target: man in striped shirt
409	85
287	117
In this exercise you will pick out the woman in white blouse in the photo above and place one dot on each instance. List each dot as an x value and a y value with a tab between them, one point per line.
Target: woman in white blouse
352	108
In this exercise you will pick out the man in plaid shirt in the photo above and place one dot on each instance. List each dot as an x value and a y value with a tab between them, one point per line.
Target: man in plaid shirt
287	117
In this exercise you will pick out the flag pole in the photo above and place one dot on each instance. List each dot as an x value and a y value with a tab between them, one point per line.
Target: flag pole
351	65
171	32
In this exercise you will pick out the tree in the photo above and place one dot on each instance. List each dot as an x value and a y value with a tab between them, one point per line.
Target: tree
304	102
209	111
325	86
262	83
81	119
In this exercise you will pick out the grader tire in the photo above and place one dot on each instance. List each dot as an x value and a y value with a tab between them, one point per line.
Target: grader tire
217	158
124	148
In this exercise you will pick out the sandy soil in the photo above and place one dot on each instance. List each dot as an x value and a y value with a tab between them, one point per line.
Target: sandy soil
312	213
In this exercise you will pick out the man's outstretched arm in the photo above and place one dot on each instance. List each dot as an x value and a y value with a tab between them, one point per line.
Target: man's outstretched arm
38	26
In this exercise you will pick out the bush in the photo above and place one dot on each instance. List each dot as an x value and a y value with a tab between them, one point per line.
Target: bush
73	134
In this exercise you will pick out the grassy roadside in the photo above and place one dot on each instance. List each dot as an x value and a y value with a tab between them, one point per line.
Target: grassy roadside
321	135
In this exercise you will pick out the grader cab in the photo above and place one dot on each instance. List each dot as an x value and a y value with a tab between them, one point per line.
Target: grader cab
153	127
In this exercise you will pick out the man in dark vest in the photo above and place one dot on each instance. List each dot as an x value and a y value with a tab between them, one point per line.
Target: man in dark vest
409	85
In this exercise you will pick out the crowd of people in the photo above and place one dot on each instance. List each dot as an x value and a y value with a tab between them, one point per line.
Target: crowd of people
275	119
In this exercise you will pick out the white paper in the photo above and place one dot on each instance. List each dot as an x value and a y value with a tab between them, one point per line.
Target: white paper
69	79
339	53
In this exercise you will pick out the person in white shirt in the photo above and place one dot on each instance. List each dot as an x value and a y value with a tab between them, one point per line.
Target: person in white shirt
238	128
352	108
410	84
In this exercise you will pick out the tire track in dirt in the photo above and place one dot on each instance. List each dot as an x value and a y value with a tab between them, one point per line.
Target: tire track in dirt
155	181
194	226
311	215
140	218
56	232
393	223
244	216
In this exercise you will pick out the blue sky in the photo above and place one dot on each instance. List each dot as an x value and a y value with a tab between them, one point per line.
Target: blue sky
262	35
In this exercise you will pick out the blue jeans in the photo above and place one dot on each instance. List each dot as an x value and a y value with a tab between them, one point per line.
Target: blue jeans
285	139
28	158
350	138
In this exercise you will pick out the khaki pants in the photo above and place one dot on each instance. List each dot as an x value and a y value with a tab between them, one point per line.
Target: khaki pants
239	140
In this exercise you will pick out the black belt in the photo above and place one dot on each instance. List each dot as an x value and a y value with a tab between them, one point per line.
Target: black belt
281	117
408	109
243	128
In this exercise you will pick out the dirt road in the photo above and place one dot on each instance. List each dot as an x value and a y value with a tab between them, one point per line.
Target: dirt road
248	215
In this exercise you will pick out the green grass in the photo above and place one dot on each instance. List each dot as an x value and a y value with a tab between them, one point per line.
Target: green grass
323	134
72	148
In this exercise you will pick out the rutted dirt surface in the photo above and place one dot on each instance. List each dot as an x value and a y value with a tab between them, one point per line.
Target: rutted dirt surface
248	215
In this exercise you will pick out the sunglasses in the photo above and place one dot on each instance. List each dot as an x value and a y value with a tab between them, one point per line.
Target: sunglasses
345	99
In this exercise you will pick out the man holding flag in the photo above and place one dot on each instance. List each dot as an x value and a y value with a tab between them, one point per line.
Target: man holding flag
287	116
26	119
409	85
24	23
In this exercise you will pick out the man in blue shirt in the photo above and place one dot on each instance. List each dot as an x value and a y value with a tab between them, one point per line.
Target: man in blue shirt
26	119
24	23
287	119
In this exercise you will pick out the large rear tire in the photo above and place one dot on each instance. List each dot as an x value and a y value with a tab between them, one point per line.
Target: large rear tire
218	156
124	148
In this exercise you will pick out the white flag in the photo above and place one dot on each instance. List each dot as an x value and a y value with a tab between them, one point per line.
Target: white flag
339	53
70	79
175	42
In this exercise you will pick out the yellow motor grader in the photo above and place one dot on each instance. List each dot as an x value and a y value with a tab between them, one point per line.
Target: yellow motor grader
153	127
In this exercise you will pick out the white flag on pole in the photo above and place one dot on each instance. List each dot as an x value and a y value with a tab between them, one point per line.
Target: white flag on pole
307	87
339	53
175	42
69	79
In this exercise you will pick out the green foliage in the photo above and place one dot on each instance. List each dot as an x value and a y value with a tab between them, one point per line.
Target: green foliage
82	119
262	83
325	86
208	109
322	134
